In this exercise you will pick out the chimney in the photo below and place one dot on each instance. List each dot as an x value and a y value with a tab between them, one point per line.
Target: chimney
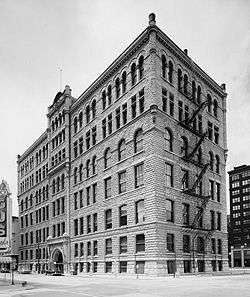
67	90
151	18
186	51
223	86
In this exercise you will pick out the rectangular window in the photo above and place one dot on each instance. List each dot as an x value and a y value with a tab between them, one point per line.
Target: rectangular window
108	267
164	99
217	192
139	267
124	113
108	245
141	101
212	220
110	123
123	267
171	104
104	133
107	187
118	118
80	145
108	219
133	107
185	213
94	222
169	210
170	242
216	134
213	246
123	244
218	221
95	265
184	180
76	249
81	198
81	249
210	130
200	244
180	111
123	215
186	243
75	149
75	200
88	140
211	189
95	247
140	211
88	195
81	226
76	227
122	182
139	176
88	223
89	248
94	192
200	216
219	246
169	175
140	243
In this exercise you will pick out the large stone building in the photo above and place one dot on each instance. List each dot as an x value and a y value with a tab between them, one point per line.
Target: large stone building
239	226
130	177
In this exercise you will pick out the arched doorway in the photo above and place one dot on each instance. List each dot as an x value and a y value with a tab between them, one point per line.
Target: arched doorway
58	261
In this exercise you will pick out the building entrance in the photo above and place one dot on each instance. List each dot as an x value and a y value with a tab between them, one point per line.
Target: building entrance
58	261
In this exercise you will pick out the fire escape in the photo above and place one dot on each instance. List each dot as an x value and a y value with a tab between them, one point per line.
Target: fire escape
195	227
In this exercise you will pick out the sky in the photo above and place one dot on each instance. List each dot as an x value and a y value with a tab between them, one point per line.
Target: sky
81	37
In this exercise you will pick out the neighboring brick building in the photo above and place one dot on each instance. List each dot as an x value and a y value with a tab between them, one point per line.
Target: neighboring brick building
125	179
239	227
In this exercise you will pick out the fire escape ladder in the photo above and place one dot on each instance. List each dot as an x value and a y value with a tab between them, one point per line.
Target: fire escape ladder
190	155
199	109
196	183
200	212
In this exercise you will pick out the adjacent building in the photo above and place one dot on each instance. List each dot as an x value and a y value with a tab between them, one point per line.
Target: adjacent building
239	226
130	176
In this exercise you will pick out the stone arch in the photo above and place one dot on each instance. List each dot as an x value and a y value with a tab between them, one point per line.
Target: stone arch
58	260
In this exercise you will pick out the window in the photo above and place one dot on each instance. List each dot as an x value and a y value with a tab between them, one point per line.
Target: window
88	195
139	176
212	220
215	108
108	267
184	180
187	266
140	243
217	164
110	123
94	192
180	111
75	125
170	242
219	246
169	210
140	211
169	175
141	67
76	227
211	161
164	99
108	245
124	82
179	80
185	84
103	99
93	131
217	191
199	94
87	168
107	158
170	72
88	248
93	108
209	100
186	243
121	150
139	267
123	267
107	187
141	101
124	113
185	213
210	130
95	223
122	182
104	132
133	74
163	65
88	224
171	104
200	245
138	141
211	189
75	200
75	175
87	114
95	247
117	87
123	244
184	146
94	165
108	219
109	94
218	221
88	140
76	249
118	118
81	249
213	246
133	106
199	217
123	215
216	134
169	140
81	225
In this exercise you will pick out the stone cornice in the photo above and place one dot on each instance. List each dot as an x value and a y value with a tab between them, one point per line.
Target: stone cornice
112	69
32	147
189	63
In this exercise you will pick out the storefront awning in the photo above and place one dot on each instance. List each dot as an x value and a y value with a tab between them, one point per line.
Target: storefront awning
5	259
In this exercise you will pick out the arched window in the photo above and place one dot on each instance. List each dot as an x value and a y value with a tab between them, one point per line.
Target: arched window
169	140
217	164
209	102
31	200
53	187
58	184
75	175
199	94
215	108
163	65
121	150
124	82
170	71
138	141
53	126
109	94
87	168
81	172
93	108
80	119
193	90
103	99
133	74
47	192
179	79
94	165
199	155
107	158
44	194
185	84
141	67
56	123
117	87
26	202
184	146
211	161
87	114
60	119
63	181
75	124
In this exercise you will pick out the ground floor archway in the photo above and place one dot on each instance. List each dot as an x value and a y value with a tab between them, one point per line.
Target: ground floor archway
58	261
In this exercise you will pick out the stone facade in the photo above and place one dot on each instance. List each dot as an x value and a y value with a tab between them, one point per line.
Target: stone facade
119	147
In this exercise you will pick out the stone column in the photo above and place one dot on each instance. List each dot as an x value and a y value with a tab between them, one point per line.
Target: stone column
232	256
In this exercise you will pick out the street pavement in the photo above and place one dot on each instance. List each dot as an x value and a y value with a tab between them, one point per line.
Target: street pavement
100	286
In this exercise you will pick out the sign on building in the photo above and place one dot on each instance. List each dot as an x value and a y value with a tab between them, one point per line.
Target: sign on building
5	217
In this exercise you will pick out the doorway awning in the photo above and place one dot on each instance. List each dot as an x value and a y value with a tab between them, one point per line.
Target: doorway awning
5	259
